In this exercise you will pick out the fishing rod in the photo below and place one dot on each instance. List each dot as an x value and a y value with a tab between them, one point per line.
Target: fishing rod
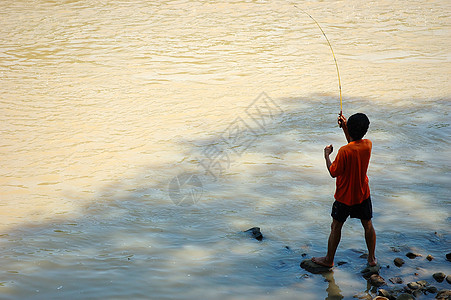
333	54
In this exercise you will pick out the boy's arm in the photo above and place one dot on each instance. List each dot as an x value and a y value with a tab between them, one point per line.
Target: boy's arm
327	151
342	124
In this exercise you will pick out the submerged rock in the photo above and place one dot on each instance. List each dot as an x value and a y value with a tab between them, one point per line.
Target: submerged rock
396	280
386	294
256	233
399	261
412	255
405	296
439	276
309	265
370	270
376	280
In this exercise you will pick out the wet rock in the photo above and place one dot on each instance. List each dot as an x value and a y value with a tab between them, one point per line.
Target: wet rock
413	286
256	233
448	279
443	295
340	263
405	296
309	265
376	280
448	256
399	261
370	270
429	257
363	296
432	289
380	298
412	255
396	280
439	276
386	294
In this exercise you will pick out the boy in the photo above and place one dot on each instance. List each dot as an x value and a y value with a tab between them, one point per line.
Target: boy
352	194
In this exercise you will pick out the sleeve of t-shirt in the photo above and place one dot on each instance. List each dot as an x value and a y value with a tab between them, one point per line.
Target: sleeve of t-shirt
338	166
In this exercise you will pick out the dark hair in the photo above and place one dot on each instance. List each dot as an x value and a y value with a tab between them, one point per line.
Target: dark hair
358	125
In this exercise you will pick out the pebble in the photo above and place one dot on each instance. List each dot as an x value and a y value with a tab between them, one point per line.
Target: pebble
429	257
399	262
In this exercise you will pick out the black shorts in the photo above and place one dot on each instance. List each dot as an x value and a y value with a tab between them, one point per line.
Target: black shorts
362	211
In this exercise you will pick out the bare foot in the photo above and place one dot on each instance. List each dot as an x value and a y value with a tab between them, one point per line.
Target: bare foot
322	262
372	262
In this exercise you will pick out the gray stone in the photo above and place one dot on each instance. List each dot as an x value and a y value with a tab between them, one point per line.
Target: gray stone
405	296
376	280
309	265
399	261
439	276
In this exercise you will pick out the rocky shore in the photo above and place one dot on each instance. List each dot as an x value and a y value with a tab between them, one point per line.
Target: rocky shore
394	287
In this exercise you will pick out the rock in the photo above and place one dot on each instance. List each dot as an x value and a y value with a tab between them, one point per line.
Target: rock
396	280
429	257
380	298
376	280
448	256
255	231
448	279
417	285
439	276
443	295
412	255
413	286
370	270
405	296
399	262
432	289
386	294
340	263
314	268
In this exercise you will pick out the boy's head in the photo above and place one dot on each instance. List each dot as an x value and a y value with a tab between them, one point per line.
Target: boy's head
357	126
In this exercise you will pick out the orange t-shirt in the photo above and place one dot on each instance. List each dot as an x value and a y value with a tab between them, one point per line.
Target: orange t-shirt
349	167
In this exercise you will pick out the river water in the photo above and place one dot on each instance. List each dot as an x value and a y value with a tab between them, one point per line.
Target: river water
139	138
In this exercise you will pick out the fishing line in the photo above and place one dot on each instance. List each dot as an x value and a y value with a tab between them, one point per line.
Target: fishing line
333	54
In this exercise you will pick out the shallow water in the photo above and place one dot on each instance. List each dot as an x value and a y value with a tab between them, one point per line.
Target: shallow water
105	105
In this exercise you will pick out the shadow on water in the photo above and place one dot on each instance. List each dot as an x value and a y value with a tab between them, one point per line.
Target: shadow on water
133	241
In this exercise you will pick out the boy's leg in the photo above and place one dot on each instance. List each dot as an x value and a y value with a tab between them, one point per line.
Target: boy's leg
332	245
370	238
